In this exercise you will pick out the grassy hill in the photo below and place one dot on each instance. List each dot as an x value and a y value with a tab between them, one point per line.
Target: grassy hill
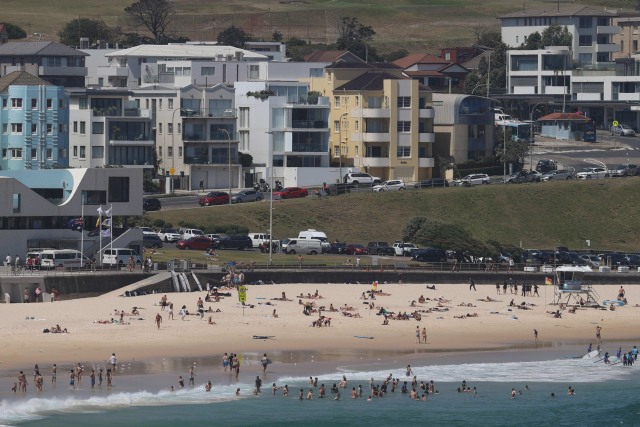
541	215
415	25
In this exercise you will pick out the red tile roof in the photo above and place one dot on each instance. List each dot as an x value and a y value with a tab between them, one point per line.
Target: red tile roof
419	58
567	117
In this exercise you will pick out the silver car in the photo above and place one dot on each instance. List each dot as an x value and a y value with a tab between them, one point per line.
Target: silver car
557	175
622	129
247	196
476	179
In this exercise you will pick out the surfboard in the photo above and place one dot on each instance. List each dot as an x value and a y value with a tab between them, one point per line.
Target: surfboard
182	284
591	355
174	279
195	278
364	337
263	337
613	302
186	282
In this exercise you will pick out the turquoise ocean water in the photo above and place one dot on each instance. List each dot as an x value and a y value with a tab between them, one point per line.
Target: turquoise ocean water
605	395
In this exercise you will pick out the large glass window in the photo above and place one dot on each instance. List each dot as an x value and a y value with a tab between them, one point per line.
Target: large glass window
524	63
94	197
404	101
97	128
119	189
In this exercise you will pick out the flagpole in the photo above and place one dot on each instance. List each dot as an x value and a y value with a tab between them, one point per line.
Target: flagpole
82	231
100	255
111	227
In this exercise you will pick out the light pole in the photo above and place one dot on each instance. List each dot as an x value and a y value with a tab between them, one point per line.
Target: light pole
270	133
532	134
340	144
229	157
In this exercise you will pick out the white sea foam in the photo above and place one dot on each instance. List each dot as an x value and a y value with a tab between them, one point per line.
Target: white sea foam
16	411
562	370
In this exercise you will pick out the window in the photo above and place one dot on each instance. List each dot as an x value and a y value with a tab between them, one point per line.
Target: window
586	21
49	154
16	102
160	152
160	104
50	128
34	103
404	126
62	127
447	55
159	127
254	72
244	117
118	189
169	151
94	197
4	102
16	153
61	104
169	128
179	151
336	126
404	152
635	46
585	40
34	128
16	127
179	127
97	128
4	153
83	104
97	152
357	125
208	71
5	127
75	127
336	101
170	102
83	152
16	202
75	151
34	154
316	72
49	103
83	128
404	101
356	101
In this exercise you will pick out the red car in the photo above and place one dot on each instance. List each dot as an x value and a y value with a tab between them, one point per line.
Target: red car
291	193
201	243
214	198
357	250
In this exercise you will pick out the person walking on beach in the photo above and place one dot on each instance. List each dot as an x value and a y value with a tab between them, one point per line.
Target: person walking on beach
93	378
100	377
300	261
113	361
535	336
158	320
258	385
170	316
54	372
264	362
79	372
72	378
598	333
417	334
472	284
424	335
225	361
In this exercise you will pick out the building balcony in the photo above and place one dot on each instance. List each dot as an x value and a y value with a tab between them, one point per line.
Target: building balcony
427	113
588	97
380	162
427	162
608	29
309	124
524	90
142	142
555	90
427	137
216	160
215	137
112	71
375	137
45	70
629	97
371	113
607	48
199	113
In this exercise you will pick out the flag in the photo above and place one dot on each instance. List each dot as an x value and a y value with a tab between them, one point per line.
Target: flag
100	211
108	212
374	286
107	222
548	281
106	233
76	224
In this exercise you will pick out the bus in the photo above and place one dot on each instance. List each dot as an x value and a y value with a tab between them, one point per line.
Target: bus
520	131
63	258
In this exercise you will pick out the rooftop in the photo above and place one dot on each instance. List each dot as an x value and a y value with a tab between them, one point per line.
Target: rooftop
38	48
184	51
571	10
21	78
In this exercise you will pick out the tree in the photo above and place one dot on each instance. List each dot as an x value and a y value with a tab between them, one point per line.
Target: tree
14	31
353	36
434	233
94	29
556	35
155	15
515	152
234	36
487	38
497	72
533	42
396	54
277	36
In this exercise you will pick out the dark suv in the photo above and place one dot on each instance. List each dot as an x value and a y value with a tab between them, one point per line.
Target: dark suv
429	255
546	165
235	241
380	248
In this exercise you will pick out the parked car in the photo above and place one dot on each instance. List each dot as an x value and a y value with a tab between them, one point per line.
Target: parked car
432	182
338	248
169	235
214	198
626	169
151	204
151	241
146	230
403	248
476	179
380	248
596	173
525	176
622	129
429	255
234	241
390	185
247	196
592	261
214	236
303	246
360	178
557	175
201	243
546	165
357	249
291	193
633	260
614	259
188	233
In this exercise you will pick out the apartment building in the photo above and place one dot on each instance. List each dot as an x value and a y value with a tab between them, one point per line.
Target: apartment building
438	74
33	119
56	63
380	121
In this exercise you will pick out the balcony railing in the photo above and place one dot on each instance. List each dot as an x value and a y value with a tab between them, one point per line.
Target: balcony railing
213	136
217	160
208	112
309	124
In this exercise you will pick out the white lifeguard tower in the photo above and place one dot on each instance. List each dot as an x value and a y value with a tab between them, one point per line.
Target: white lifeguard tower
569	285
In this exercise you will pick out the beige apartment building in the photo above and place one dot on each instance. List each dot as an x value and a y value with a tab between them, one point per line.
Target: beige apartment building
380	121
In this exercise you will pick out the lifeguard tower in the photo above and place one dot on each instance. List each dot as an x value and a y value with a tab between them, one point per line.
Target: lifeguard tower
570	286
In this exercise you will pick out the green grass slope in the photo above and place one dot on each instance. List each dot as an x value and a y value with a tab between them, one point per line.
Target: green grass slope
541	215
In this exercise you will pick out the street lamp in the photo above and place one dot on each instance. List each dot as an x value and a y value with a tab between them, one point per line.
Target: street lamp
532	134
340	144
229	157
270	133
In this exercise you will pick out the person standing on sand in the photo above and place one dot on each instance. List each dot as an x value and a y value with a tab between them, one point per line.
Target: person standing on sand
54	372
192	377
113	361
535	336
598	335
170	316
158	320
424	335
472	284
72	379
93	378
264	362
100	377
417	334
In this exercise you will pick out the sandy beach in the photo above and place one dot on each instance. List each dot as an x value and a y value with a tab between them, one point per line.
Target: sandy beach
496	326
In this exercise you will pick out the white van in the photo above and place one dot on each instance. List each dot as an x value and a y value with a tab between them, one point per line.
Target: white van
317	235
120	257
188	233
304	246
259	238
62	258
